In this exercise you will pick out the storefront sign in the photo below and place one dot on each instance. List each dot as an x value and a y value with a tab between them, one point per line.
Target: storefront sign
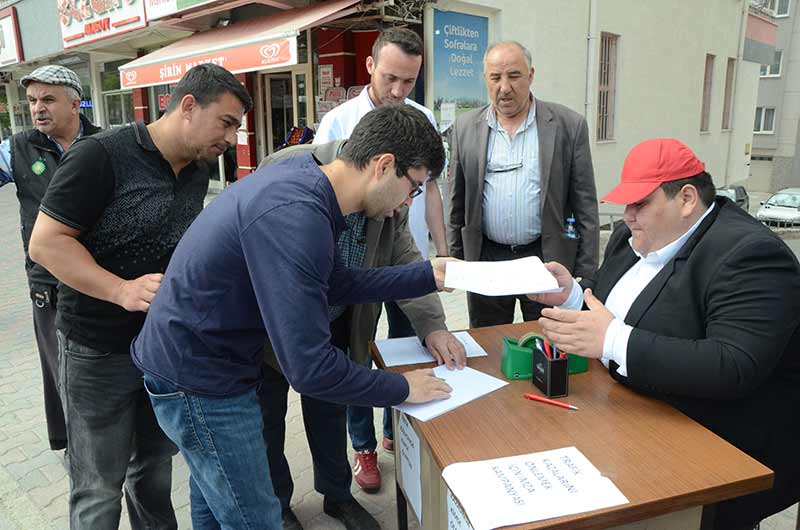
10	46
162	8
84	21
247	58
459	42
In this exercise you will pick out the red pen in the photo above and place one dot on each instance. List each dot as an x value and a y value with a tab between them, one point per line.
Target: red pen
547	349
534	397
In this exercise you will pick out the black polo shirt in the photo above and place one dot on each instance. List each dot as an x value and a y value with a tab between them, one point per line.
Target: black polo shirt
131	210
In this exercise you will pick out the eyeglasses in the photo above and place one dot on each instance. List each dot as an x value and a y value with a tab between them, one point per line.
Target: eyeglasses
503	168
416	189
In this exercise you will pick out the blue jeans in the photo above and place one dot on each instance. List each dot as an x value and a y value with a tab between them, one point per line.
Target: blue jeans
360	420
114	441
221	440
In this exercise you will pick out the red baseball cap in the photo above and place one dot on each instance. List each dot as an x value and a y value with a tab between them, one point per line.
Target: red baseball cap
649	164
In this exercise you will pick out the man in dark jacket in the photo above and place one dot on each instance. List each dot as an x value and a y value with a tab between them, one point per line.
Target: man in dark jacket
697	304
29	159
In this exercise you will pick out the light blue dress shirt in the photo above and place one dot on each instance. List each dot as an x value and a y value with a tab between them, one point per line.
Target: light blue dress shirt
512	199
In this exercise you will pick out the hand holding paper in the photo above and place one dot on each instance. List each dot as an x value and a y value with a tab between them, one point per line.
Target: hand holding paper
501	278
439	267
564	280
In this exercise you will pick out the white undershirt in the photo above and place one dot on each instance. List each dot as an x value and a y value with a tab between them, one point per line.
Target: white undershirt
625	292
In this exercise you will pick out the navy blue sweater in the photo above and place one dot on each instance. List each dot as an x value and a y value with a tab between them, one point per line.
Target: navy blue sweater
261	261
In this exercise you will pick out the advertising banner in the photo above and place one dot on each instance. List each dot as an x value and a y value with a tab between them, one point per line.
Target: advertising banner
82	22
459	42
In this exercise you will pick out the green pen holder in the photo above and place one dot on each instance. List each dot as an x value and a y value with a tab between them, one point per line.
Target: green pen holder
516	361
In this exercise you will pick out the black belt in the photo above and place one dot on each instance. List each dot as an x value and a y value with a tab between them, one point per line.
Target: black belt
515	249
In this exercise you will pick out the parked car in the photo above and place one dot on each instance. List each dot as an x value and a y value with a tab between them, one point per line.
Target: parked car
737	194
782	209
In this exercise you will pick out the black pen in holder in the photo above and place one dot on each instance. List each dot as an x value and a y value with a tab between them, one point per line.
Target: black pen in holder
551	376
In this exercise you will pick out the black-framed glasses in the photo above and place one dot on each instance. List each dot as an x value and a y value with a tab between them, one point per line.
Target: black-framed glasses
416	189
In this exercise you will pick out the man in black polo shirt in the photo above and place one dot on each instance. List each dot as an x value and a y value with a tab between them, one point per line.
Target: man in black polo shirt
108	225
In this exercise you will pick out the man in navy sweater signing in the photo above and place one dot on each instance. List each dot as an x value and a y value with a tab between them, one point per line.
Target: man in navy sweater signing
260	261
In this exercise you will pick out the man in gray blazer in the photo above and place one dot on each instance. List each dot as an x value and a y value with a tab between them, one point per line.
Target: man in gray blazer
384	241
521	183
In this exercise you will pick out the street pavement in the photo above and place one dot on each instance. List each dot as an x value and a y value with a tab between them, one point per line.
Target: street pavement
33	481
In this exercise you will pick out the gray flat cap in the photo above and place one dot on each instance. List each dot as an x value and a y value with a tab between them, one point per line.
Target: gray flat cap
53	74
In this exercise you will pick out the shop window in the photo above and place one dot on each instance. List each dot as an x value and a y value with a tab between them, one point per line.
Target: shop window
119	108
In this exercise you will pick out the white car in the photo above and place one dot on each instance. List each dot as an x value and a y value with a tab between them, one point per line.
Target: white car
782	209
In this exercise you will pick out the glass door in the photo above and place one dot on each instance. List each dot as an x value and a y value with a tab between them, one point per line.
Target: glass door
280	108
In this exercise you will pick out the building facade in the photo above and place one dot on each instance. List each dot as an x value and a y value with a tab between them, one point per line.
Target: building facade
776	142
635	70
639	70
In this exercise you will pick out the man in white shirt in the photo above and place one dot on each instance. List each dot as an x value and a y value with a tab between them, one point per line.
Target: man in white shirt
393	67
696	304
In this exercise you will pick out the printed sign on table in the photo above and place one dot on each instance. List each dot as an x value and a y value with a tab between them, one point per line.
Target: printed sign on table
409	464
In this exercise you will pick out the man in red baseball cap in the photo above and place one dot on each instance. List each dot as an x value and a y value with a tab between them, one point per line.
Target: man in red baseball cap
698	304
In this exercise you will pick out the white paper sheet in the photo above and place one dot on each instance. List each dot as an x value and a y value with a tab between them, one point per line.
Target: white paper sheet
468	385
526	488
501	278
409	350
456	518
409	464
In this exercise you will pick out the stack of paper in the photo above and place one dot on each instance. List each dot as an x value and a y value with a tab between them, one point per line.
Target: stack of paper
501	278
467	385
533	487
409	350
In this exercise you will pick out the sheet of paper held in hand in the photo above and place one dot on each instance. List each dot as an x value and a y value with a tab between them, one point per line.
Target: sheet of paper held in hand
501	278
467	384
526	488
409	350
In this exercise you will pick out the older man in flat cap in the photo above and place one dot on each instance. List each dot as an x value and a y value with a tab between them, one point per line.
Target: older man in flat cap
696	304
29	159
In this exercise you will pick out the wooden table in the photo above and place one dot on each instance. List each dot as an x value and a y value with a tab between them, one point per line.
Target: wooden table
666	464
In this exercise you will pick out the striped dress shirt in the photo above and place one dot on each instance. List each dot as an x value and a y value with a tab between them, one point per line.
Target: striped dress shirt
512	187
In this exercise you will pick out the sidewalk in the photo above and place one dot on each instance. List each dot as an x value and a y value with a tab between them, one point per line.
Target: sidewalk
33	482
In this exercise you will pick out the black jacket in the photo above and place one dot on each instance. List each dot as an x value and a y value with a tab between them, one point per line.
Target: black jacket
34	159
716	332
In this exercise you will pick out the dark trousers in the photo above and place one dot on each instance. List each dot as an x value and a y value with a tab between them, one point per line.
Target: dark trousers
44	315
743	513
326	431
495	310
115	443
360	420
